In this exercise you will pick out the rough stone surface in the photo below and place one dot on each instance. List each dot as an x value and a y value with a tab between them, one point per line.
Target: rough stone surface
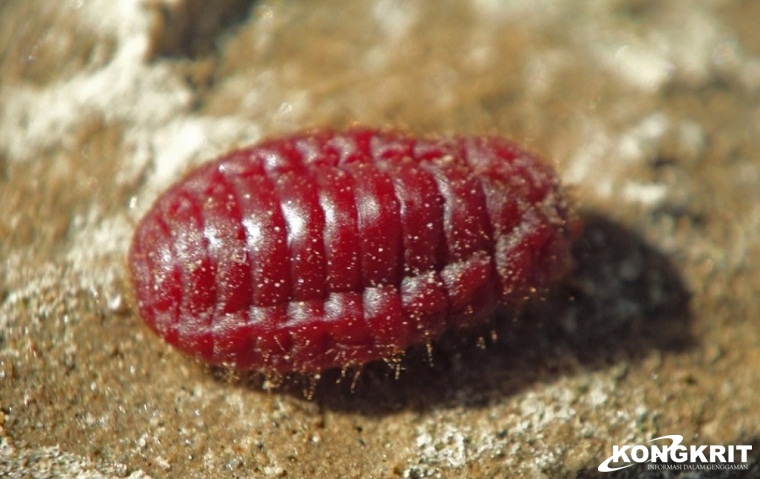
649	109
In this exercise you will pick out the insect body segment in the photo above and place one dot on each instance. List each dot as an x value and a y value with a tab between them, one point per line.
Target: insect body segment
327	249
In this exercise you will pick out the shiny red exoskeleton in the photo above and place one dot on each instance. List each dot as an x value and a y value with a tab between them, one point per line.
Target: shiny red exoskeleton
327	249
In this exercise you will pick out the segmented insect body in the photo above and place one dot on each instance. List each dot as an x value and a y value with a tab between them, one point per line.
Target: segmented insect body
327	249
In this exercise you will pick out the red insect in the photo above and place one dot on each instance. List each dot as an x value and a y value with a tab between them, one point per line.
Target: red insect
326	249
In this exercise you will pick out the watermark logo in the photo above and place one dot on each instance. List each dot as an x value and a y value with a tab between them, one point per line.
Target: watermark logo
676	456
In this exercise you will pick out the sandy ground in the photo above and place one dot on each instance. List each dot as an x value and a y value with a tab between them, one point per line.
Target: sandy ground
649	110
